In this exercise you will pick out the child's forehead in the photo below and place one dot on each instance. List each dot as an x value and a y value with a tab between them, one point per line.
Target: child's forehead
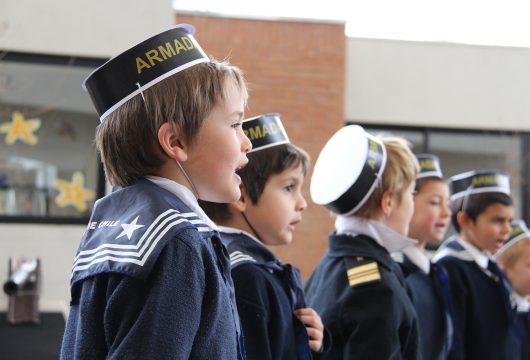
498	209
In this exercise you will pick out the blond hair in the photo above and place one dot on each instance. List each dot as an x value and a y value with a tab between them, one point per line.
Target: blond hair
511	255
400	172
128	138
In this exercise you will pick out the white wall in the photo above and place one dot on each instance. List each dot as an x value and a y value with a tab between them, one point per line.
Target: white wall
437	84
55	245
67	27
79	27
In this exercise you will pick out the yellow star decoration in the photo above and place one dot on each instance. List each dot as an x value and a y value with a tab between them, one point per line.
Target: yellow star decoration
22	129
73	193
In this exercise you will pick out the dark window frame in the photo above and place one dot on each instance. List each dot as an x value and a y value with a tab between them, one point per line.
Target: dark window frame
46	59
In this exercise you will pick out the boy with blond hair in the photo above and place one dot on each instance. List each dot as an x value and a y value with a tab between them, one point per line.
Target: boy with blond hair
357	288
151	279
514	260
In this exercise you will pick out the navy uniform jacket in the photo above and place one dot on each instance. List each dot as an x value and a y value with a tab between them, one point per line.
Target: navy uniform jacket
430	296
522	319
360	293
481	315
150	281
265	300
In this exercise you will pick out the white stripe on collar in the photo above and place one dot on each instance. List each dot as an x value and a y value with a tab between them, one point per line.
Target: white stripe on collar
480	258
184	194
469	253
231	230
418	258
383	235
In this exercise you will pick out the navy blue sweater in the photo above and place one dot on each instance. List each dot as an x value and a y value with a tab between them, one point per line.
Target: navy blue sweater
150	281
265	301
482	323
430	296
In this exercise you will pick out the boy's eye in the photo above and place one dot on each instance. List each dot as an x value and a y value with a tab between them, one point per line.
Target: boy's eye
236	125
289	188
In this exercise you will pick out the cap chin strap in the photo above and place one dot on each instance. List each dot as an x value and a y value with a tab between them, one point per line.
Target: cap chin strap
193	188
255	233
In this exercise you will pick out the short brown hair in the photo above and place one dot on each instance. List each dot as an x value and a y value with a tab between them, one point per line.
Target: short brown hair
476	204
128	138
400	172
261	166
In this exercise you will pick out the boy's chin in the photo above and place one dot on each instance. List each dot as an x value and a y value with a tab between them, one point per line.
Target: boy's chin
225	198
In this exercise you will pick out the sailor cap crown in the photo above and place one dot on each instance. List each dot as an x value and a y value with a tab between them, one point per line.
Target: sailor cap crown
265	131
347	170
429	166
479	181
142	66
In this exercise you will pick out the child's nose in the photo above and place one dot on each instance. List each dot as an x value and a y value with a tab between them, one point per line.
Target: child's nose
246	145
302	204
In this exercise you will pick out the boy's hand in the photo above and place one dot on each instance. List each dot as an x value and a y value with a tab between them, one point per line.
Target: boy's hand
314	326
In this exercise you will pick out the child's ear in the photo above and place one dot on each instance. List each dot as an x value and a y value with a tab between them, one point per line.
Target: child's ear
387	203
241	204
462	219
171	143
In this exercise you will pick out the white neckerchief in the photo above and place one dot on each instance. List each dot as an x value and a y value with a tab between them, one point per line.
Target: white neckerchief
522	304
185	195
419	258
382	234
480	257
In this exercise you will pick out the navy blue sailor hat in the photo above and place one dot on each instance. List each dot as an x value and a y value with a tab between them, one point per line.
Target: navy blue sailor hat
142	66
265	131
429	166
348	170
479	181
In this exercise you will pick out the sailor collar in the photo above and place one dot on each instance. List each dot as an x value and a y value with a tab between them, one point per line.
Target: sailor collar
521	304
419	258
480	258
246	247
383	235
185	195
456	247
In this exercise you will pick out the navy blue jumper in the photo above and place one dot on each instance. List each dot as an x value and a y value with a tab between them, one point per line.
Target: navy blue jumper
151	280
267	293
482	314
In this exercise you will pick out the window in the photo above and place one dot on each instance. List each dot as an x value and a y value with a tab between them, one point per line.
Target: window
49	168
465	150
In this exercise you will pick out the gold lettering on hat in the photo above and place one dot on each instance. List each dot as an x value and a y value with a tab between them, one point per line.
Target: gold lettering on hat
261	130
516	231
373	148
427	164
484	180
163	52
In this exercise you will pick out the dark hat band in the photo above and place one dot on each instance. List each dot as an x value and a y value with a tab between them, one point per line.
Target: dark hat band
141	67
476	182
429	166
368	180
265	131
